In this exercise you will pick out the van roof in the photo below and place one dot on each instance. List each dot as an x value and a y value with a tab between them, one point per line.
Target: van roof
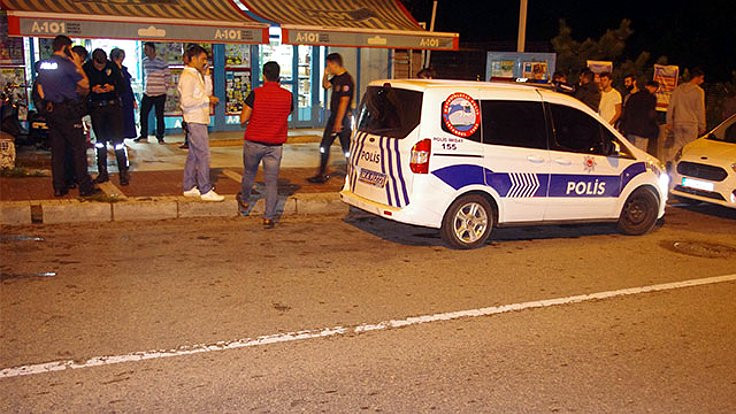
422	85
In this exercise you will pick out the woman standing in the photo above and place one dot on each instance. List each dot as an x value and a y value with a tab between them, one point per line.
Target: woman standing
126	95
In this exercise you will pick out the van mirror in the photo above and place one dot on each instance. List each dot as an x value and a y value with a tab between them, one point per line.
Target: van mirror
615	148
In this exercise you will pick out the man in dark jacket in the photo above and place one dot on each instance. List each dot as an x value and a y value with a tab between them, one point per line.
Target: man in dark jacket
639	120
587	91
106	84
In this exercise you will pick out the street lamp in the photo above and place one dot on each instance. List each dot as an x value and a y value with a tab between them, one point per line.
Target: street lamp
521	41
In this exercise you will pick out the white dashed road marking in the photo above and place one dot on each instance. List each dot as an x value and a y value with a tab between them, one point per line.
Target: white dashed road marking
356	329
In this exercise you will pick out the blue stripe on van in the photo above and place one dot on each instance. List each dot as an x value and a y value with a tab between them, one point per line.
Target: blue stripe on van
383	170
391	172
517	185
361	143
401	172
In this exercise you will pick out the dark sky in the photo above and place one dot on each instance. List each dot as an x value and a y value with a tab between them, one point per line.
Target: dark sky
690	33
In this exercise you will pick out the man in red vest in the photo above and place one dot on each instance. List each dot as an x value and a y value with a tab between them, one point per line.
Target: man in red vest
265	116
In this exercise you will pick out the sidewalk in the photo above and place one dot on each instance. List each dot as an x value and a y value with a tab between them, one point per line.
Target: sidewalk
155	189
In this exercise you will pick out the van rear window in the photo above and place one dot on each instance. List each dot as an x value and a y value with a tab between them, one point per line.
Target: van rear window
390	112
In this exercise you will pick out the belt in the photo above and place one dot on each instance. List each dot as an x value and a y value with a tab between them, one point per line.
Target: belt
105	103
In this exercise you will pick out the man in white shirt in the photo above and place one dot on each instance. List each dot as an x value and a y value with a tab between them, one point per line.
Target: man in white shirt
195	100
610	106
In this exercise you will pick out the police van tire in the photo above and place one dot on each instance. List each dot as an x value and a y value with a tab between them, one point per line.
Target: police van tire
639	214
468	222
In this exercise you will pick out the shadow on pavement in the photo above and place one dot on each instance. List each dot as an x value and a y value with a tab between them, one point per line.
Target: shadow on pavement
409	235
708	209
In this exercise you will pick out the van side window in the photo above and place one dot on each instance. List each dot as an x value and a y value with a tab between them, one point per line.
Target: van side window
576	131
514	123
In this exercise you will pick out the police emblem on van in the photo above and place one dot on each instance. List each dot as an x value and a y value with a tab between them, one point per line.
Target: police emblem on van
461	114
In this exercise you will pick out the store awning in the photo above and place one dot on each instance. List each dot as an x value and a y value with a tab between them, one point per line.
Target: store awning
351	23
206	21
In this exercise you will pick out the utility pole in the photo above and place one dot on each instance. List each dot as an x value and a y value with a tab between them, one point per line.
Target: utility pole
521	41
428	57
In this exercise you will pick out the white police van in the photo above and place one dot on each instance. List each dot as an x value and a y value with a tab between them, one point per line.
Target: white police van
465	157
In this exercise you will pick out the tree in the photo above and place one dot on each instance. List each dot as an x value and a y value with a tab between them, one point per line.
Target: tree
572	55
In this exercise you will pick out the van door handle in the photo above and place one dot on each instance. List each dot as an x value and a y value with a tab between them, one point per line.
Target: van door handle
563	161
535	159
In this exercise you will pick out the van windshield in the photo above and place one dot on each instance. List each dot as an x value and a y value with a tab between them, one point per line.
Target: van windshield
390	112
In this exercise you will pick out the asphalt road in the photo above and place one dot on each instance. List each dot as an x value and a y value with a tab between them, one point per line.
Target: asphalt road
131	290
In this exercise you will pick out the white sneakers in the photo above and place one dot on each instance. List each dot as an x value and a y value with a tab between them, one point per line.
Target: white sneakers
193	193
208	196
211	196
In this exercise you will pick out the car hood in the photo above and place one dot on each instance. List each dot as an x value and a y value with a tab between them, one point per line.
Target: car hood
715	152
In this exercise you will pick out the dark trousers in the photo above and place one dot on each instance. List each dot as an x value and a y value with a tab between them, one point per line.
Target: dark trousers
107	122
66	132
158	102
328	137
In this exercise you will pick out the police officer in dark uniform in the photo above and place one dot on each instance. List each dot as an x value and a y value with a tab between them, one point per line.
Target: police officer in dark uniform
106	110
339	122
59	78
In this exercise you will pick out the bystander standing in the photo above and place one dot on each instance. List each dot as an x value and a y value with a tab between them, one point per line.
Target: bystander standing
157	76
639	119
127	97
686	113
587	91
610	106
195	102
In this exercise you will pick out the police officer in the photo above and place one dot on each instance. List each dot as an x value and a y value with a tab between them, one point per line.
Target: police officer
106	110
338	79
59	77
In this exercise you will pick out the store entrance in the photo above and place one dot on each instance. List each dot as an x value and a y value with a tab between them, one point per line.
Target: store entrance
298	69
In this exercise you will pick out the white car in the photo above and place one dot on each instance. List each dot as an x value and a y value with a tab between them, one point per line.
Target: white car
516	155
705	169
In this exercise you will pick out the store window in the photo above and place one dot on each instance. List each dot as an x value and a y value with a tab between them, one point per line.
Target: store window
238	77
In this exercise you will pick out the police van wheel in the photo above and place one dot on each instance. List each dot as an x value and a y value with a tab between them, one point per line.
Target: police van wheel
639	215
468	222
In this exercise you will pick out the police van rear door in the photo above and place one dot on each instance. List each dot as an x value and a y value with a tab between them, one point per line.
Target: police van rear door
379	165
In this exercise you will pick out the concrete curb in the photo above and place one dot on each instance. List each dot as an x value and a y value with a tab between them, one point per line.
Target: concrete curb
13	213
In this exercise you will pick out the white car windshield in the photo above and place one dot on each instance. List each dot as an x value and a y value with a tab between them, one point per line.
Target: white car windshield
726	132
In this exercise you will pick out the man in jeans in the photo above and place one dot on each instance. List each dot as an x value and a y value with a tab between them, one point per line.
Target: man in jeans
266	112
195	101
157	77
686	113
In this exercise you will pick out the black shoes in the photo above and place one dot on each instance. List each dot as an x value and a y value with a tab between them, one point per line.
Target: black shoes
319	179
161	141
60	193
93	192
102	177
140	139
184	146
124	177
268	224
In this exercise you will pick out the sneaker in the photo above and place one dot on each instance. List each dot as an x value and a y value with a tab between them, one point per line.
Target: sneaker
184	146
161	141
319	179
211	196
141	140
193	193
268	224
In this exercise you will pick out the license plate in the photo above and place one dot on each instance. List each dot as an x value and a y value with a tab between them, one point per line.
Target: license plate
372	178
697	184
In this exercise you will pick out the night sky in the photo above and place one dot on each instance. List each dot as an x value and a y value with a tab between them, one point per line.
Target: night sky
690	33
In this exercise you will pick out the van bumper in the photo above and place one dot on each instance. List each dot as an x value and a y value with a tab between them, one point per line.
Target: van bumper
407	215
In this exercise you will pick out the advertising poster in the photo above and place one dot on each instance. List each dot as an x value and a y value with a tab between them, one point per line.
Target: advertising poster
600	66
172	95
502	69
534	70
170	52
45	48
237	88
667	76
237	55
11	48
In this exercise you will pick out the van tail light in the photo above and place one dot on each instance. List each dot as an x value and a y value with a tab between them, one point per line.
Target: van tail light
420	156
